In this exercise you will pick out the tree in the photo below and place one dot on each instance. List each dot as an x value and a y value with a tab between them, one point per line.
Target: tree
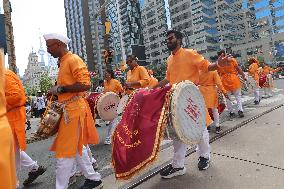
30	90
45	83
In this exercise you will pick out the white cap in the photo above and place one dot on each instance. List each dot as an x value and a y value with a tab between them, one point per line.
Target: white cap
57	36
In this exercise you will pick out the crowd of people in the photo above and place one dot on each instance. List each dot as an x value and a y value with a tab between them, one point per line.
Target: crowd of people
76	131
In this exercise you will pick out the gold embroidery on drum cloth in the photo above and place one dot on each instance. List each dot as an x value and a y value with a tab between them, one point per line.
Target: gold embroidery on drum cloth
159	135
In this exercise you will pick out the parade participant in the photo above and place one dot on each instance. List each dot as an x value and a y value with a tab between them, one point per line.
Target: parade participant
267	72
253	72
207	86
111	85
7	157
185	64
72	82
153	80
137	76
232	83
40	101
28	115
16	114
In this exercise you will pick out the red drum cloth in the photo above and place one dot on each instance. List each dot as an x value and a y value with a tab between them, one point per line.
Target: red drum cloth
137	137
92	101
262	80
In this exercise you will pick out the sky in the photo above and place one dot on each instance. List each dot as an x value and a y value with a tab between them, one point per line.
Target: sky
32	18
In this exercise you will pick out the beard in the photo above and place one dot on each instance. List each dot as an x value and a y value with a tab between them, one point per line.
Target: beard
172	46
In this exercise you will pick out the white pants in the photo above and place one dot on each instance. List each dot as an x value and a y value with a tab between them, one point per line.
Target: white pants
216	117
111	127
77	168
203	150
64	167
24	161
237	95
256	94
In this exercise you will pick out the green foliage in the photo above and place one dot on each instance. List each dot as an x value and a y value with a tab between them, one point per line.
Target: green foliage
45	83
30	90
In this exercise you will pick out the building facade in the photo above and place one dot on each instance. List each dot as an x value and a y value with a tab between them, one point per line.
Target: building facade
247	27
34	71
154	24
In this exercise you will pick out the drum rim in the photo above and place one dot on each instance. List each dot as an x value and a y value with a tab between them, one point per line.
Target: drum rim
100	99
172	117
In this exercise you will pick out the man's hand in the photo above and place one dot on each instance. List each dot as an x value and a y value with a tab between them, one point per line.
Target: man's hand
54	90
224	61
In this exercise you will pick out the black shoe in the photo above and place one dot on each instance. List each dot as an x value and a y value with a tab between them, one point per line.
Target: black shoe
91	184
203	163
170	172
209	128
232	114
218	130
28	128
241	114
256	102
33	175
97	125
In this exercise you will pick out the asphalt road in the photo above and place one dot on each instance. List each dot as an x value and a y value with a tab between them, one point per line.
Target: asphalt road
102	153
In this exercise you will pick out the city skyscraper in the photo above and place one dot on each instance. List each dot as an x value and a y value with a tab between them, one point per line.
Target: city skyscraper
154	22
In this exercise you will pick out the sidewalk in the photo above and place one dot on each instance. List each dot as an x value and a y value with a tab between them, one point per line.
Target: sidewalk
256	142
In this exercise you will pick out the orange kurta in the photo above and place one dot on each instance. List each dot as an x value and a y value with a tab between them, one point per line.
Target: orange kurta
208	83
229	76
16	111
113	85
185	64
153	82
7	154
70	136
138	74
253	72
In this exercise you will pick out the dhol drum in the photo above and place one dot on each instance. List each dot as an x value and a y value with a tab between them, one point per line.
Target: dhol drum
249	86
49	124
262	80
122	104
187	112
105	104
268	82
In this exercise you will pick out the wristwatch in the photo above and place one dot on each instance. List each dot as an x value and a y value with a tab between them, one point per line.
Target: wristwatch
60	89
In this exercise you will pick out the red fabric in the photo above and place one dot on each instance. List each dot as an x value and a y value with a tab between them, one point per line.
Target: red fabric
137	137
221	108
262	79
92	101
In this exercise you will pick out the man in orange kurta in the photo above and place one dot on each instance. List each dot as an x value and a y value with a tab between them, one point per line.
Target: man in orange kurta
185	64
208	83
16	114
232	83
72	82
111	85
268	85
253	72
7	154
137	76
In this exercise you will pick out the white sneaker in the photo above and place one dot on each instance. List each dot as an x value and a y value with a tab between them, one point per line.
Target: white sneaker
107	141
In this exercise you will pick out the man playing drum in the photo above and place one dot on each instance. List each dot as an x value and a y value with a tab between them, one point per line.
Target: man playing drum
111	85
185	64
7	157
72	82
232	83
16	114
207	86
268	84
253	72
137	76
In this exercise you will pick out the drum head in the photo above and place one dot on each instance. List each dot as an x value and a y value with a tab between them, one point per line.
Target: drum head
188	116
122	103
107	105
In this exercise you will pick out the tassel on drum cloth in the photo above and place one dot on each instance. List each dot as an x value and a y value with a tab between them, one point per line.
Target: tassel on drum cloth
66	116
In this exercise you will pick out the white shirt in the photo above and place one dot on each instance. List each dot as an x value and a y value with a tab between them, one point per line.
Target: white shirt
40	102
